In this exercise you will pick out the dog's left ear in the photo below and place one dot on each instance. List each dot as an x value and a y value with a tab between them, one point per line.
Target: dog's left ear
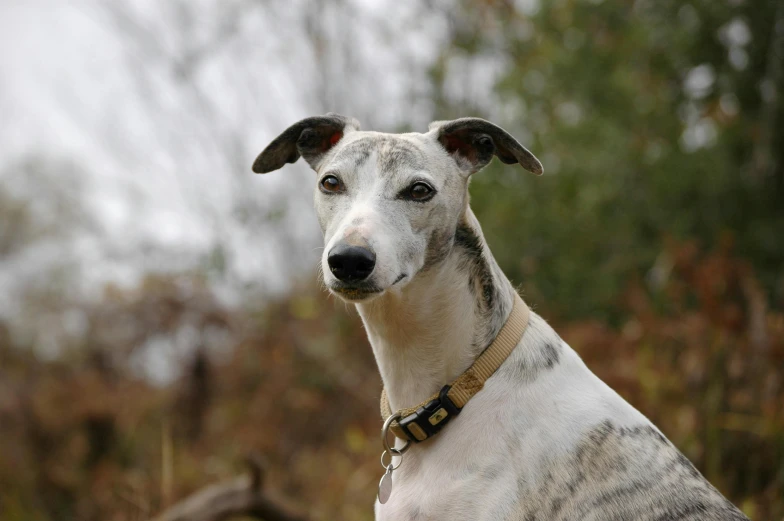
310	138
474	141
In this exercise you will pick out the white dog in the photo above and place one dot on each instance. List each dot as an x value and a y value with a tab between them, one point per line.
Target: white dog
543	438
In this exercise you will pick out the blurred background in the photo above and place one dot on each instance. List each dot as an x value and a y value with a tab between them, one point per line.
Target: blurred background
160	315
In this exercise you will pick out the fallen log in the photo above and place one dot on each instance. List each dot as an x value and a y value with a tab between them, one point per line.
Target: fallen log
242	496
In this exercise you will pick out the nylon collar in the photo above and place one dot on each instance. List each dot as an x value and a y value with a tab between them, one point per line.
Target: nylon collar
423	421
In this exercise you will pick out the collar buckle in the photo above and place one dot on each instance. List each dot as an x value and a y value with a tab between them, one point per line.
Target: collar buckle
430	417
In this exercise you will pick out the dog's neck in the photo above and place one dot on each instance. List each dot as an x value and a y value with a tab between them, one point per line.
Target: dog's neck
432	330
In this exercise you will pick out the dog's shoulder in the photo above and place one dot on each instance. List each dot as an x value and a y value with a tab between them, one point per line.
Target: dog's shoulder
546	439
586	453
621	473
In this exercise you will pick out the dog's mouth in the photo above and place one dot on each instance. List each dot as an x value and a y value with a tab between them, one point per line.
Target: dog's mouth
358	292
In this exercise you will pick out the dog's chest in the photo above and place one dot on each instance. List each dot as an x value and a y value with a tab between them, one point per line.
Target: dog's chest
550	441
471	470
493	461
446	485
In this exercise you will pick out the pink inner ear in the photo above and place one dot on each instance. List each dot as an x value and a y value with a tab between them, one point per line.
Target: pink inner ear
334	138
456	143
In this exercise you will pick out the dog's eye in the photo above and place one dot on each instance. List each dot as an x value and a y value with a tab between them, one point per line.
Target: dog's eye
331	184
420	192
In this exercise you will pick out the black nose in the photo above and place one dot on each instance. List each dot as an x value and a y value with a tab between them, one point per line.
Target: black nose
351	263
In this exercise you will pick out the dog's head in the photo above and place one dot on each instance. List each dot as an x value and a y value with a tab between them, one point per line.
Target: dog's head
389	204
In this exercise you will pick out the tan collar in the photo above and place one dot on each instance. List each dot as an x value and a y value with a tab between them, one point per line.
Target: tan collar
426	419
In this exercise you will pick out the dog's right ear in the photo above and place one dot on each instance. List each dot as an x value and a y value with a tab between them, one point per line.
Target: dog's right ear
310	138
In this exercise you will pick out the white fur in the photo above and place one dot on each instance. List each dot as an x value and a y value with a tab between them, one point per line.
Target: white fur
545	438
545	419
421	340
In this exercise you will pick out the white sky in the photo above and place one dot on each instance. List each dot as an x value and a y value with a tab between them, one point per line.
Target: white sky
163	159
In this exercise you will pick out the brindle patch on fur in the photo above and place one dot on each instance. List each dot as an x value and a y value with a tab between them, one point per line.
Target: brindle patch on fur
438	248
541	356
479	273
551	355
482	278
392	154
619	474
395	154
358	151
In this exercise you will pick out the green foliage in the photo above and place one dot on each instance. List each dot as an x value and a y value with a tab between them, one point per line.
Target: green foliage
637	144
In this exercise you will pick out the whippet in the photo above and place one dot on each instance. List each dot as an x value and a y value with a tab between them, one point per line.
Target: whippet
543	438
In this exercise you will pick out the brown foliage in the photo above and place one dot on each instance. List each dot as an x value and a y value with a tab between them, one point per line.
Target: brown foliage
86	437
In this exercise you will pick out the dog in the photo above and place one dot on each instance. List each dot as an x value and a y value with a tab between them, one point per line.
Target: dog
544	438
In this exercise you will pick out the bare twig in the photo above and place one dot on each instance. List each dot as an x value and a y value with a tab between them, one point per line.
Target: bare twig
241	496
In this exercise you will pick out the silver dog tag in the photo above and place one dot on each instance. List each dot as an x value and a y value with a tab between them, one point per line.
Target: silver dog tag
385	486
